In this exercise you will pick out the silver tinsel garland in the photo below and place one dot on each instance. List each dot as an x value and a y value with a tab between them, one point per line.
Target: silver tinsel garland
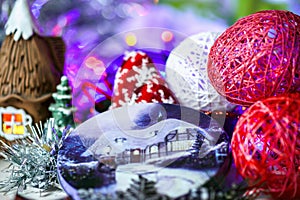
33	159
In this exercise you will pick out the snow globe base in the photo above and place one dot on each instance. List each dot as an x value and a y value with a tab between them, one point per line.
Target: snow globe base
142	150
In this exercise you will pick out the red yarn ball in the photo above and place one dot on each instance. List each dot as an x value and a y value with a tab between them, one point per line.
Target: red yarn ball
257	57
266	145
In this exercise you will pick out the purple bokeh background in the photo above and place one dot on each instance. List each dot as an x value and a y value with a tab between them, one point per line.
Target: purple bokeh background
86	25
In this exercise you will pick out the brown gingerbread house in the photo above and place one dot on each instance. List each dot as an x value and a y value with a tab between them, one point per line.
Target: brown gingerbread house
31	65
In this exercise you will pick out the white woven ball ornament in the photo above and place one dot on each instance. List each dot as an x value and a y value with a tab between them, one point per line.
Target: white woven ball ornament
186	74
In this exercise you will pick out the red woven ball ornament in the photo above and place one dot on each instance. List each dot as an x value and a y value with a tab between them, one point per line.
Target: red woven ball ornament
257	57
266	145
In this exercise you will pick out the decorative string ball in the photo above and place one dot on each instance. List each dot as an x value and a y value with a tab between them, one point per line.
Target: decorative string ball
266	146
186	73
257	57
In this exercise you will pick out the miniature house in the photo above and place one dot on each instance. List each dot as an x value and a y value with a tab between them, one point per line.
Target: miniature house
31	67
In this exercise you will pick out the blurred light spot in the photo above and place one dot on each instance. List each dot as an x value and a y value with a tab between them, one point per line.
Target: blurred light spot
109	13
93	62
167	36
57	30
121	10
130	39
92	110
137	9
156	1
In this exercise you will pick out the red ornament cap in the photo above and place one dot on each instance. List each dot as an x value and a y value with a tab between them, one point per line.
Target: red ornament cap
138	81
266	146
153	92
257	57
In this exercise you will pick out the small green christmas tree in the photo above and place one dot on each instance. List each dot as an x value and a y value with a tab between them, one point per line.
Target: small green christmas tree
62	110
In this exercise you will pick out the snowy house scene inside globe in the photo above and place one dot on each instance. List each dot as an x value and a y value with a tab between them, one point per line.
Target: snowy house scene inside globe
177	147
